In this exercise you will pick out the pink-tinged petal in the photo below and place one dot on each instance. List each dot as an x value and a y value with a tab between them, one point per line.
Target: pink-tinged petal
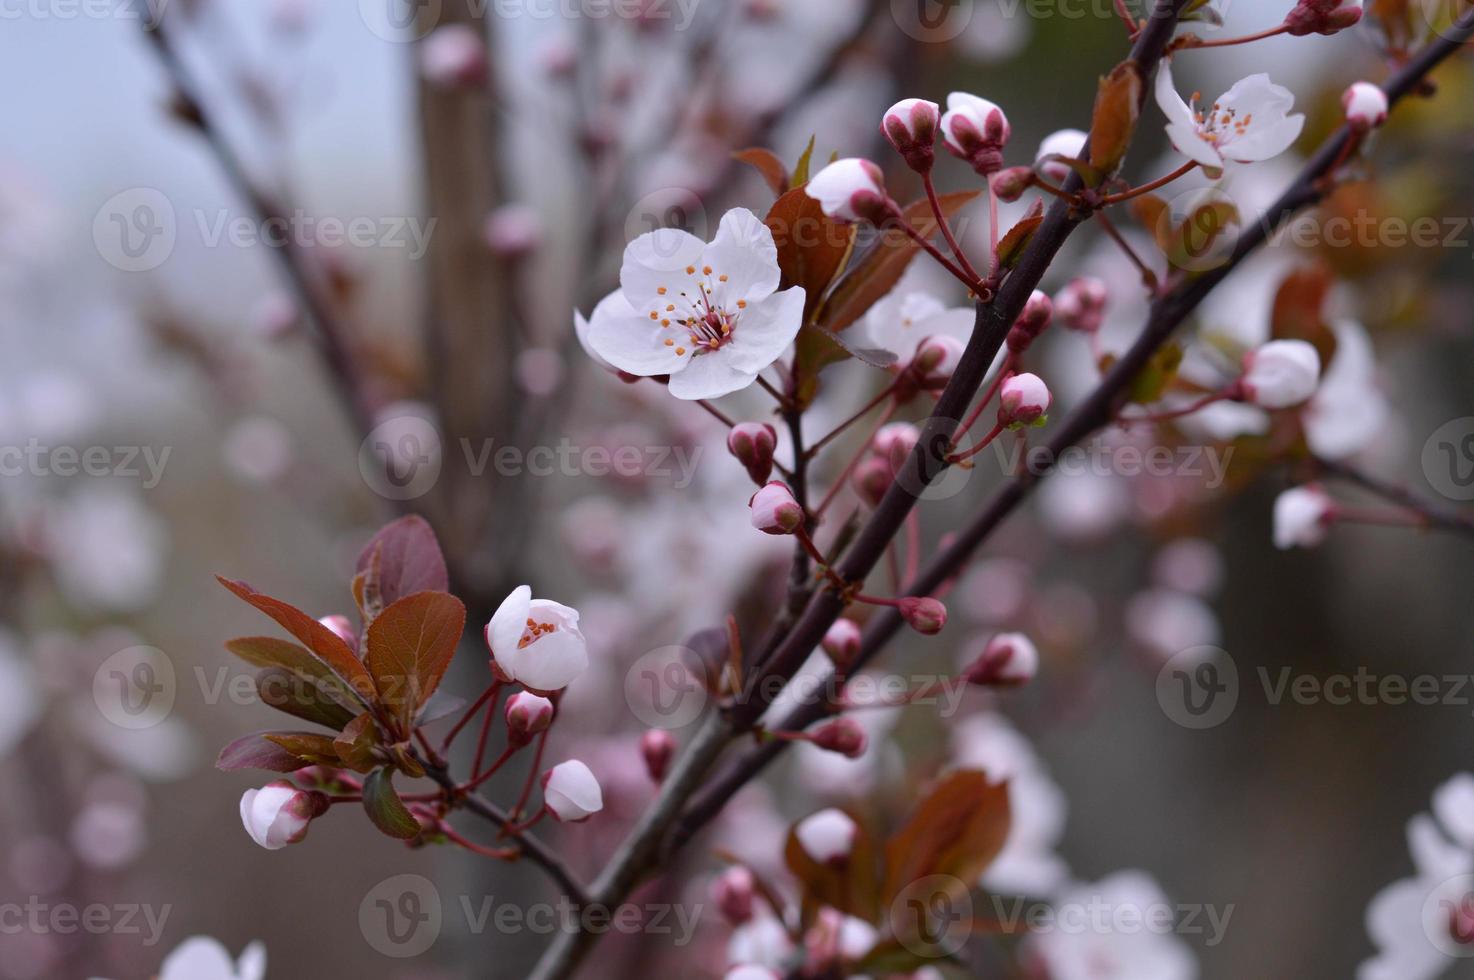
709	375
745	253
658	260
765	330
631	341
1189	142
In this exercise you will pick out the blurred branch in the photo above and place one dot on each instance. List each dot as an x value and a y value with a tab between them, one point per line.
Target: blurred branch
1433	515
1167	314
307	288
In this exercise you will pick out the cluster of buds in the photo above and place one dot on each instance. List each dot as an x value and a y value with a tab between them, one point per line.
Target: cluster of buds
775	510
753	443
1279	374
1081	304
1023	400
1322	17
1365	105
852	190
975	130
1036	315
1008	660
911	126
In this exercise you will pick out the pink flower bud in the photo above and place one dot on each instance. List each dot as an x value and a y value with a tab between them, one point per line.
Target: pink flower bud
1061	143
1011	182
925	615
750	971
911	126
975	130
733	892
843	735
1081	304
827	836
1365	105
1009	659
657	747
279	813
842	642
454	57
753	443
1302	517
1023	401
342	629
571	793
871	479
936	359
1031	322
1322	17
1280	374
894	443
527	715
513	231
775	510
851	190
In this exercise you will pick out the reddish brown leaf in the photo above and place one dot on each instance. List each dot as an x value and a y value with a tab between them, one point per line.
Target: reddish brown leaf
311	747
957	830
317	637
409	560
300	697
256	751
766	162
385	808
1011	246
409	647
269	651
355	744
851	886
1299	306
812	247
1117	105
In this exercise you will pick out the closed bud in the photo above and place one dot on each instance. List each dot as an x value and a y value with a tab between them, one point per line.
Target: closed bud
1023	401
657	748
753	443
775	510
843	735
871	479
1280	374
1031	322
454	57
851	190
1081	304
1322	17
975	130
911	127
842	642
1302	517
528	715
571	793
279	813
827	836
936	359
1365	105
733	891
1010	183
1061	143
1009	659
925	615
894	443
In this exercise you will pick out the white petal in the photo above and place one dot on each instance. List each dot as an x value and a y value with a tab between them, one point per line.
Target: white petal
1178	112
1265	142
508	624
709	375
744	252
659	259
609	305
252	964
765	330
631	341
1188	141
551	662
198	958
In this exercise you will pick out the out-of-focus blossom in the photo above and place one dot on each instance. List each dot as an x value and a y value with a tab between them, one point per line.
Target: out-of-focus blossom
657	748
258	449
1166	622
571	792
762	942
107	548
108	834
1147	950
204	958
1081	304
1281	373
1349	409
536	642
20	697
1248	123
733	892
1301	517
1190	565
513	230
1322	16
1009	659
454	57
708	315
1060	143
827	836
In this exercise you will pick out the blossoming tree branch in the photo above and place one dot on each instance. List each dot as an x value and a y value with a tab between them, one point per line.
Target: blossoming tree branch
786	303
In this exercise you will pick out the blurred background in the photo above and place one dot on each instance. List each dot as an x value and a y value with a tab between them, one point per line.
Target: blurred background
446	208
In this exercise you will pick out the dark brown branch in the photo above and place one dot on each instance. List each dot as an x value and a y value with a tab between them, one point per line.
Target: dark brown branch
1433	515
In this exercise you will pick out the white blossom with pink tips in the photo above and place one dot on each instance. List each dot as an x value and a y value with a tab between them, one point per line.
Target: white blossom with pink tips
536	642
1248	123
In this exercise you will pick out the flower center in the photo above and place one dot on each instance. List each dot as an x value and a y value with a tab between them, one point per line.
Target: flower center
1219	125
534	632
697	322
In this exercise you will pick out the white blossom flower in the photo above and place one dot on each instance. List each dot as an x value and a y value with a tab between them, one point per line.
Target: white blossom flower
279	813
536	642
1100	952
1301	516
900	322
1349	409
571	792
204	958
849	190
827	835
708	315
1248	123
1281	373
762	943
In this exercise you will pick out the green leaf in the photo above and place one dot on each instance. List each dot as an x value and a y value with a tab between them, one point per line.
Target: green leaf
801	169
385	808
408	648
323	642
